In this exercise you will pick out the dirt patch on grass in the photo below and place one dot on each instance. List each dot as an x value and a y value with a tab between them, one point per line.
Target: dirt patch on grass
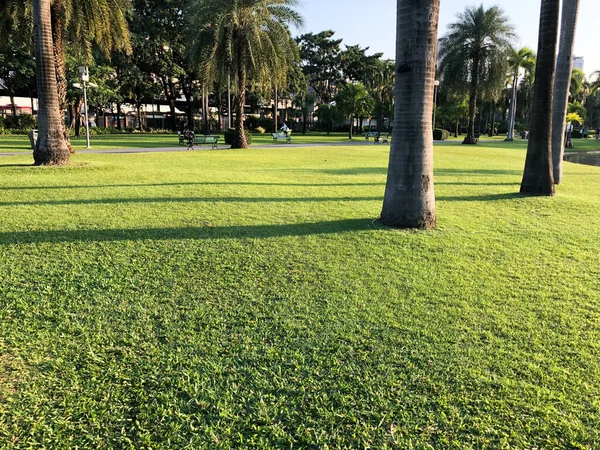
12	371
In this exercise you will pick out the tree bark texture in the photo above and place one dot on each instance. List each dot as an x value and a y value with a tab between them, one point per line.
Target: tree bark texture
538	178
409	200
239	139
562	81
51	148
470	137
57	14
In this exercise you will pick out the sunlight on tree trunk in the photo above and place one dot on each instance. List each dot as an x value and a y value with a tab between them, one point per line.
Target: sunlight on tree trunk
538	178
51	147
409	200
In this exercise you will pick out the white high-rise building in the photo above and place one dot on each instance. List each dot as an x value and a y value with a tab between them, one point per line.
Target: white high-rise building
578	62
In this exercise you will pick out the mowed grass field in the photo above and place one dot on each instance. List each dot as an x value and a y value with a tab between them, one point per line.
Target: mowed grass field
248	300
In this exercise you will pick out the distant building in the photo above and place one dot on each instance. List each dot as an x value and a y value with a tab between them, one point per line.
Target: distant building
578	62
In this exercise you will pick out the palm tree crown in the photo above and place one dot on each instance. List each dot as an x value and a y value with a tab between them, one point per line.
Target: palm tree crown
247	40
479	37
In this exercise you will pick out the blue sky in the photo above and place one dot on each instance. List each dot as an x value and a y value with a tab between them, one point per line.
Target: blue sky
372	22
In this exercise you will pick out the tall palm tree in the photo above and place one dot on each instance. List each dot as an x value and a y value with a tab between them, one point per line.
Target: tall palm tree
51	148
523	58
564	68
479	35
248	40
538	177
354	101
81	24
409	200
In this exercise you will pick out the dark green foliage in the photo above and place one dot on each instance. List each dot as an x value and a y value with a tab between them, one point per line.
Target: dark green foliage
440	135
230	135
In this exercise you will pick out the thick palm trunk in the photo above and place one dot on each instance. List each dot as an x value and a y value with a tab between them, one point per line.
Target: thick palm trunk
538	178
57	14
409	200
470	137
239	139
51	148
564	66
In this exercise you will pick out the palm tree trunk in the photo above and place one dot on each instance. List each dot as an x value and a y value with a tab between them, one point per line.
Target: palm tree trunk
51	148
57	14
13	106
470	137
409	200
538	178
564	66
239	139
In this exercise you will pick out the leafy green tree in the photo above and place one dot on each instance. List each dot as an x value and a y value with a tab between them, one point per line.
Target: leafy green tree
306	103
329	115
523	58
409	200
320	56
478	36
247	40
357	66
17	70
538	178
354	101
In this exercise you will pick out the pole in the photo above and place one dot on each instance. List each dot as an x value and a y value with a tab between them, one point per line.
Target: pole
85	113
275	116
228	101
435	89
436	83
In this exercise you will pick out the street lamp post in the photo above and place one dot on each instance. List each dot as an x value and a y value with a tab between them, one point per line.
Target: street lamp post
436	83
84	75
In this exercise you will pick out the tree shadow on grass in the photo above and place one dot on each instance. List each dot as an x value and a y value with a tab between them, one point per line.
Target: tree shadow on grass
16	165
183	183
200	232
480	198
120	200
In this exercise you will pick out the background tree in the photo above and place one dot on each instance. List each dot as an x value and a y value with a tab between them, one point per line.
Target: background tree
538	177
329	115
409	200
564	68
354	101
306	103
249	41
478	35
17	69
524	58
320	56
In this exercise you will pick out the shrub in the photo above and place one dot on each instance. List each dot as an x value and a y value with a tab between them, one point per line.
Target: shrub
260	130
440	135
229	135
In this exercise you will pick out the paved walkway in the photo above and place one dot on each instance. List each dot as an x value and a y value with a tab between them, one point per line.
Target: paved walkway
362	143
353	143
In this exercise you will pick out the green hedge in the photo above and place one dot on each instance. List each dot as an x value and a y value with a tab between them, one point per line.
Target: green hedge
440	135
229	135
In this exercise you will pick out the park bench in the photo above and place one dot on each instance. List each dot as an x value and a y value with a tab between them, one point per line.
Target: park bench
191	139
281	137
382	138
371	134
204	139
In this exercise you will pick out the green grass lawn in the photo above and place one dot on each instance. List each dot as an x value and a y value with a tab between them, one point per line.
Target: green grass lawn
17	143
246	299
